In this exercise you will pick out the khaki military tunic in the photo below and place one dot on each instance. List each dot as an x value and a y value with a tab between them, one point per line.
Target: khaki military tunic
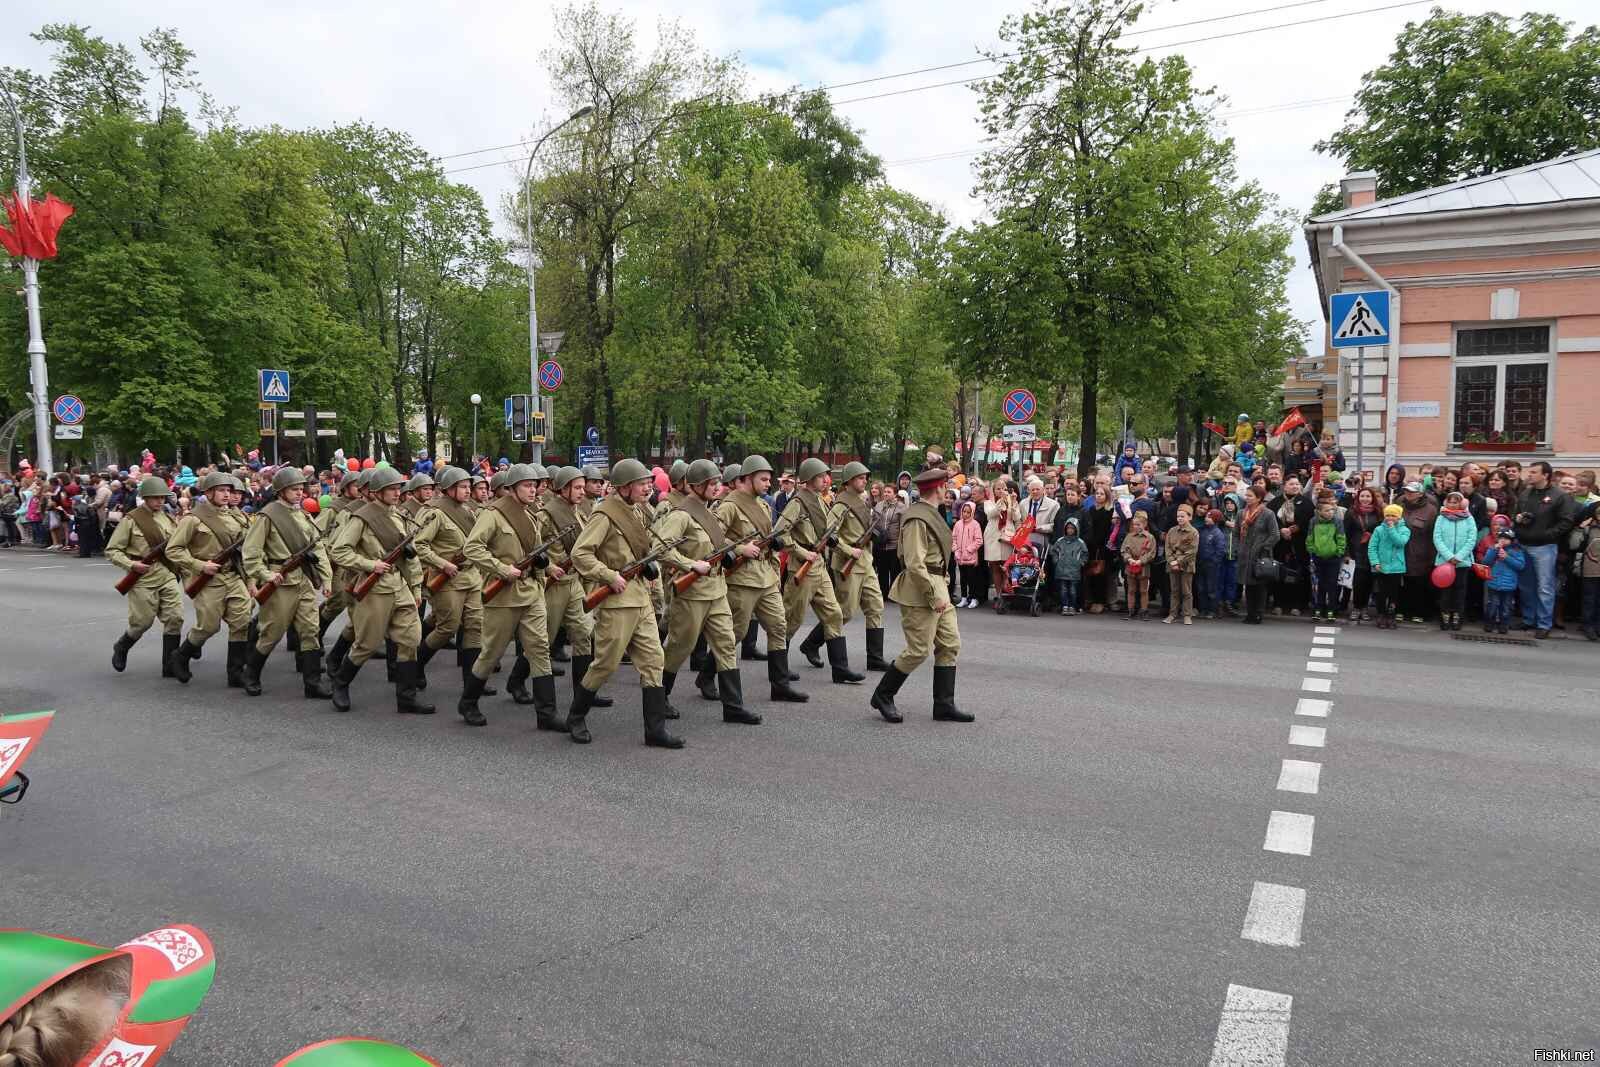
458	604
155	595
329	522
753	585
518	612
923	590
202	536
624	622
859	590
805	529
389	610
295	600
703	607
563	597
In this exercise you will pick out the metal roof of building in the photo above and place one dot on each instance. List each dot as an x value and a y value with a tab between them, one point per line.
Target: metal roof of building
1560	180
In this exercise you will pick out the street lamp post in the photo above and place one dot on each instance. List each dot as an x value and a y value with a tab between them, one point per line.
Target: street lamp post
38	375
477	398
527	234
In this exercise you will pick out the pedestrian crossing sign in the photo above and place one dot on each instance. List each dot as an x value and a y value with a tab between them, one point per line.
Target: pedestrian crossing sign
274	386
1360	319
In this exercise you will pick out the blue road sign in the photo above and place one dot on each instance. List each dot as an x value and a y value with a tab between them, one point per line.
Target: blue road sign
550	375
594	456
274	386
1360	319
1020	405
68	410
508	413
592	435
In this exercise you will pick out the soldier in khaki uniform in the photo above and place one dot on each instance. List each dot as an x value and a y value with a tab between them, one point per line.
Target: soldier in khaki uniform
201	538
389	610
481	494
155	595
563	590
500	541
859	591
806	519
926	615
753	585
445	523
346	498
594	489
702	608
615	537
278	533
419	490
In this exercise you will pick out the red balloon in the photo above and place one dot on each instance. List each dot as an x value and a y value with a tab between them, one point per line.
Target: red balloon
353	465
368	464
310	504
1444	575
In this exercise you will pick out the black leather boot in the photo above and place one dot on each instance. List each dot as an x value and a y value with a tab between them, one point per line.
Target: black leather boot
467	657
291	641
668	678
578	714
699	657
389	653
655	720
544	704
839	659
324	622
811	647
778	674
558	648
180	661
731	685
883	696
875	660
424	654
119	652
471	690
253	663
405	690
169	652
341	683
517	684
748	650
317	686
944	696
580	667
238	652
341	649
706	682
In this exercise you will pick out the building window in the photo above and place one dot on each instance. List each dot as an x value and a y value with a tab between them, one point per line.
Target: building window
1502	384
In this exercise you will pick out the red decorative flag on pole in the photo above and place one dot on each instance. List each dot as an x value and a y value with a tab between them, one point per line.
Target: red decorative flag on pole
33	229
1294	419
1024	532
1215	428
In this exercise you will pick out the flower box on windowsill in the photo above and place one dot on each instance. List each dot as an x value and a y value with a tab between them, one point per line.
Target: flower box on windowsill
1498	446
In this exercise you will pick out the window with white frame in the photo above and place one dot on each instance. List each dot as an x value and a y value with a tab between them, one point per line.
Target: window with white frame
1502	384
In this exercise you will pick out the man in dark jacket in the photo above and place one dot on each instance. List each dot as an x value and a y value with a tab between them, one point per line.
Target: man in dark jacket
1545	515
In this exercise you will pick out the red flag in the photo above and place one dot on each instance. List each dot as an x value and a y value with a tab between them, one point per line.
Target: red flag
1215	428
1294	419
34	226
1024	531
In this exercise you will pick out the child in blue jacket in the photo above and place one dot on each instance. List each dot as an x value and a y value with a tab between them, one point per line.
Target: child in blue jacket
1213	546
1506	561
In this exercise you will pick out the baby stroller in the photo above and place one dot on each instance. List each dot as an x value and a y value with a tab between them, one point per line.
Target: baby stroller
1022	576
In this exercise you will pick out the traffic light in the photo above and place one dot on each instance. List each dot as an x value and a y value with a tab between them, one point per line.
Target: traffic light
536	429
519	417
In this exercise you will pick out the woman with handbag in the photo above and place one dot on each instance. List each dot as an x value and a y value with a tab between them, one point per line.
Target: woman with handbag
1096	531
1258	536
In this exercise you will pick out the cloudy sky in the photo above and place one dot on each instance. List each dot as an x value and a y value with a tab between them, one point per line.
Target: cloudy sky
464	76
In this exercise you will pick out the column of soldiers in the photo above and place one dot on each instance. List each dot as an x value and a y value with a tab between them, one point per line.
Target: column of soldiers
515	560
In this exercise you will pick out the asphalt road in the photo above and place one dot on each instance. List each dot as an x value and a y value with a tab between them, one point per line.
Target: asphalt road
1066	881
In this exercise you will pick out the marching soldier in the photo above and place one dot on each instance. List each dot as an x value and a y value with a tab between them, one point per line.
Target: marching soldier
388	612
594	488
202	538
563	591
282	531
926	615
499	543
457	606
753	587
625	621
480	492
806	520
859	591
703	607
419	491
347	497
155	595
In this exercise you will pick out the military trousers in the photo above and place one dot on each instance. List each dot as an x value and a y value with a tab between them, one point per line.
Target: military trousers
289	605
631	630
765	604
224	600
816	590
338	602
147	603
563	608
457	610
927	631
379	618
860	592
688	619
527	625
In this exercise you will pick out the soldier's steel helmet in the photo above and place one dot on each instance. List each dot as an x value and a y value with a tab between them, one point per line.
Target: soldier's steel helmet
755	465
678	471
521	472
853	469
154	486
384	478
564	476
418	481
630	470
702	471
287	478
812	468
731	472
450	476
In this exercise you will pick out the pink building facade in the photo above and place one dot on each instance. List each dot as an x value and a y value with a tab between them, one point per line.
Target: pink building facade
1495	285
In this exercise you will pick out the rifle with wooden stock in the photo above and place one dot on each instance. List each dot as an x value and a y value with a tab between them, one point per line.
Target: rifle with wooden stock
821	548
436	583
683	581
360	590
157	554
228	557
631	571
761	543
303	559
866	535
491	588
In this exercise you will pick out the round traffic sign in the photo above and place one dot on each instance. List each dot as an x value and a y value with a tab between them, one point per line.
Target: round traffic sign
1020	405
68	409
550	375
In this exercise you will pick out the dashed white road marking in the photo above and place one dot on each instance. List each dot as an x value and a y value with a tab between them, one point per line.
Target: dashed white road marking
1254	1030
1327	630
1316	685
1321	653
1316	667
1307	736
1313	707
1275	915
1290	832
49	567
1299	776
1322	640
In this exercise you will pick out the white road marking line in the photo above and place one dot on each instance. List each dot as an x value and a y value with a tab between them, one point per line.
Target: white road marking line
1321	653
1290	832
1308	736
1299	776
1316	685
1322	640
1313	707
1327	630
1274	915
1254	1029
49	567
1322	668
